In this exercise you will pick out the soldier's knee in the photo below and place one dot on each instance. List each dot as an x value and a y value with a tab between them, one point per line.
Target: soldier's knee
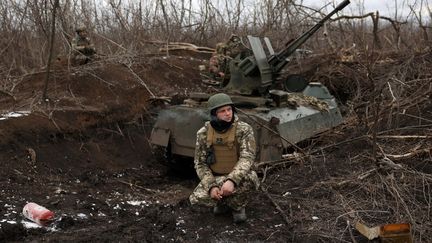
192	199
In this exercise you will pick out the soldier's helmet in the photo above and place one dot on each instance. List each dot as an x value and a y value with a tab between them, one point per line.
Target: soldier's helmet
218	100
80	29
234	39
220	48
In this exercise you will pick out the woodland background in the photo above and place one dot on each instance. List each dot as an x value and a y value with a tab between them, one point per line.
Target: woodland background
132	27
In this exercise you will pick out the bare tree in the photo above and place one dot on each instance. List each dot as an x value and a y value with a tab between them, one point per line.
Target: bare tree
130	24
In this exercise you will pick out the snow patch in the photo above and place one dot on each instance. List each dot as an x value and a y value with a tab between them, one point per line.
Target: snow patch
30	225
82	216
137	203
8	221
13	114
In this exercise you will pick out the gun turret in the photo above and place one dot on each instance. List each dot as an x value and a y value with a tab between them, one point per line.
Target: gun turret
256	73
279	60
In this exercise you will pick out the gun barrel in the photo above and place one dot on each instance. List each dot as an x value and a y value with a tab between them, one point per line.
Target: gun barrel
279	60
342	5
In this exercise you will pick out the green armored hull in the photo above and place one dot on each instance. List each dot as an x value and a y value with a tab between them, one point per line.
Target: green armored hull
296	118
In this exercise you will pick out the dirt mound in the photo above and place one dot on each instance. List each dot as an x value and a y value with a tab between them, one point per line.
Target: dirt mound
102	92
93	128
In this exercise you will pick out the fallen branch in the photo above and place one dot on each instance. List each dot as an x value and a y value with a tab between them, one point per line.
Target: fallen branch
294	159
278	208
171	65
101	79
417	117
8	94
182	46
403	136
286	159
350	232
408	155
141	81
390	163
187	48
113	42
366	174
137	186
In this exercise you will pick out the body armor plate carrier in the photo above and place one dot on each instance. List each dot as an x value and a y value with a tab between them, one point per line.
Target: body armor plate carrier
225	149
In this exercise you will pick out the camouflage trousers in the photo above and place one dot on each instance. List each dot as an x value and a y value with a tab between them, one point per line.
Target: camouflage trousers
81	59
236	201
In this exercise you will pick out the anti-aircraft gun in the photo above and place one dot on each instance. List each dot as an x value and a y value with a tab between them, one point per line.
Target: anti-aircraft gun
259	72
280	117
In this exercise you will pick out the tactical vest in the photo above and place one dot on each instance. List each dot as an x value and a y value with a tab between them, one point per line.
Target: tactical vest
83	41
225	149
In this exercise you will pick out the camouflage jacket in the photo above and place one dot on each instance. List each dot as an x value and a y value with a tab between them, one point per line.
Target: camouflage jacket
247	150
82	45
218	63
234	47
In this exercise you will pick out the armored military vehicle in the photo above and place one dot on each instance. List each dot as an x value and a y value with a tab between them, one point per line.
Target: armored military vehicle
280	117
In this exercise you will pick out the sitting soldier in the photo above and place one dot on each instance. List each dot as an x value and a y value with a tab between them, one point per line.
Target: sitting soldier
82	49
224	156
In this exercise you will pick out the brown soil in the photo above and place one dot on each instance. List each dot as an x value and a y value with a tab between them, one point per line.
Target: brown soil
92	157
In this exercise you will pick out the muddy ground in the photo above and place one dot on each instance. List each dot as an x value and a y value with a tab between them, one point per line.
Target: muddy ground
85	155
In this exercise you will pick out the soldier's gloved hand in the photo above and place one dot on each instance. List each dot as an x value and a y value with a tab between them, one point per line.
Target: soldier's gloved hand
227	188
216	193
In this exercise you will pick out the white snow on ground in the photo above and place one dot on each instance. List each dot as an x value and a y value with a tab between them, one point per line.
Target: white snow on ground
13	114
30	225
138	203
8	221
82	216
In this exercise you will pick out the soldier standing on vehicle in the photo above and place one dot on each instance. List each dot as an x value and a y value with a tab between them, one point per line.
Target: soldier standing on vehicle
82	49
224	154
218	64
234	46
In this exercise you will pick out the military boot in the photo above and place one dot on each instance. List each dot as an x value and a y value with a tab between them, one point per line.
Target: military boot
220	209
239	216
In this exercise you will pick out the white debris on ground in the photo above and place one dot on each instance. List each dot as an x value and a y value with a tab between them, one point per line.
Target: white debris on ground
13	114
82	216
11	209
180	221
7	221
138	203
30	225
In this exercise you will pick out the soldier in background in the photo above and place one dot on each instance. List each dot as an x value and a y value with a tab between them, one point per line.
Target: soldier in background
224	154
218	64
82	49
234	46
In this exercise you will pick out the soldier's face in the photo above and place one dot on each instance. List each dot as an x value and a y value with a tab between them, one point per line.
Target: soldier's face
83	33
224	113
